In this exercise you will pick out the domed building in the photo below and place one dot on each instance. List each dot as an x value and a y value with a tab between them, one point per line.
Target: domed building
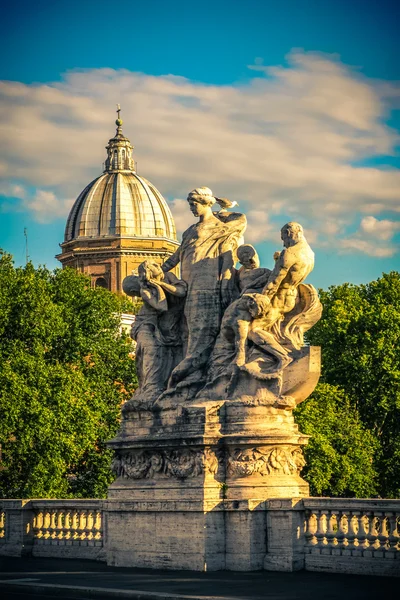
118	221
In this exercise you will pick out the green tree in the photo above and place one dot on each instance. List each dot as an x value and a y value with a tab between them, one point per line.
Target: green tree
360	337
64	372
339	455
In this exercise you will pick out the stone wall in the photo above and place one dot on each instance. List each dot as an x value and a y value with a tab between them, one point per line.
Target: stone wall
358	536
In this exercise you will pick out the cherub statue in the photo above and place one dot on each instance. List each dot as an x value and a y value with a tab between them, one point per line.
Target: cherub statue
237	317
250	275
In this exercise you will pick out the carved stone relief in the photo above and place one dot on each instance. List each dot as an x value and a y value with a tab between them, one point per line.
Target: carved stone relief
243	462
185	463
179	463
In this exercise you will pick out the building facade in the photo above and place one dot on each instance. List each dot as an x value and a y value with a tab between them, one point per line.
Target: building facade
118	221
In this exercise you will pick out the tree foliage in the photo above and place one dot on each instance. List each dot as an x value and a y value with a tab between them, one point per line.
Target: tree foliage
64	372
340	452
360	337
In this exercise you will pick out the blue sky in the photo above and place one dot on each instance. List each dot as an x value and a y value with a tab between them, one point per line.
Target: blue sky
310	131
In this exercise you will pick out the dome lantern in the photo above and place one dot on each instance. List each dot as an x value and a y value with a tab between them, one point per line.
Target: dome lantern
119	150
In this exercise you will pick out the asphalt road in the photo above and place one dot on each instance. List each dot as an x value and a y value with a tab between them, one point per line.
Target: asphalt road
32	578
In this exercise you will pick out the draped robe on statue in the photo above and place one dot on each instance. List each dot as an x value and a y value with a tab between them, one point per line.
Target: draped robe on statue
207	256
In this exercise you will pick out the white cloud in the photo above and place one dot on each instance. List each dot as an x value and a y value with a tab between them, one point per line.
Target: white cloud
383	230
372	238
370	248
45	206
182	216
260	228
287	144
12	190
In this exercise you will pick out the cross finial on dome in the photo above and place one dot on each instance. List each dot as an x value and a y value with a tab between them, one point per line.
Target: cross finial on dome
119	121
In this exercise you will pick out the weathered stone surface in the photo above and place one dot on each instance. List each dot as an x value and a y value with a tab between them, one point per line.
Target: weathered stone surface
165	535
209	438
343	535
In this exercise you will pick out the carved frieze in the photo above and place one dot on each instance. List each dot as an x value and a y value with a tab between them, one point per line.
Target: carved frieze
275	460
185	463
181	463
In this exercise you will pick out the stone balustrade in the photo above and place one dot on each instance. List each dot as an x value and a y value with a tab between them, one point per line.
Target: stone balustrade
52	528
319	534
352	535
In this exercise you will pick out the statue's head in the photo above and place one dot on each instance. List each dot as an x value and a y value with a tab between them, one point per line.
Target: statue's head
248	257
200	197
150	270
291	233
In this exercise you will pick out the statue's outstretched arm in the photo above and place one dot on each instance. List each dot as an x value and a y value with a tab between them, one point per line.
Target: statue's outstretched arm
172	261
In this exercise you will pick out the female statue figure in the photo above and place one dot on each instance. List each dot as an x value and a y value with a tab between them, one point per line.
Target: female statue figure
207	256
157	330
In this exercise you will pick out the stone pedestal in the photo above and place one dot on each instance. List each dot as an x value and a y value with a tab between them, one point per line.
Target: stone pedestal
193	481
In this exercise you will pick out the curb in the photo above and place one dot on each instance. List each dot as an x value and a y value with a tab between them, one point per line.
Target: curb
96	592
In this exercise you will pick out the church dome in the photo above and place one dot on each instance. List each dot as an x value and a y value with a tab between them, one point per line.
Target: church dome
119	203
117	222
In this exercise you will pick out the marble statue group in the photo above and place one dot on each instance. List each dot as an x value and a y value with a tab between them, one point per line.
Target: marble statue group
218	332
209	434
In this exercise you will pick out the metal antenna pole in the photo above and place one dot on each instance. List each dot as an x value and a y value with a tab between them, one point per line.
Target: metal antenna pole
26	245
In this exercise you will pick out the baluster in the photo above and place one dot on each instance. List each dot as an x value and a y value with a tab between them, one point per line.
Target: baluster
46	525
372	536
310	529
2	524
383	535
363	524
98	526
393	536
34	525
40	525
86	531
75	534
321	529
342	532
53	524
67	526
354	527
89	526
82	525
331	531
60	526
378	549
